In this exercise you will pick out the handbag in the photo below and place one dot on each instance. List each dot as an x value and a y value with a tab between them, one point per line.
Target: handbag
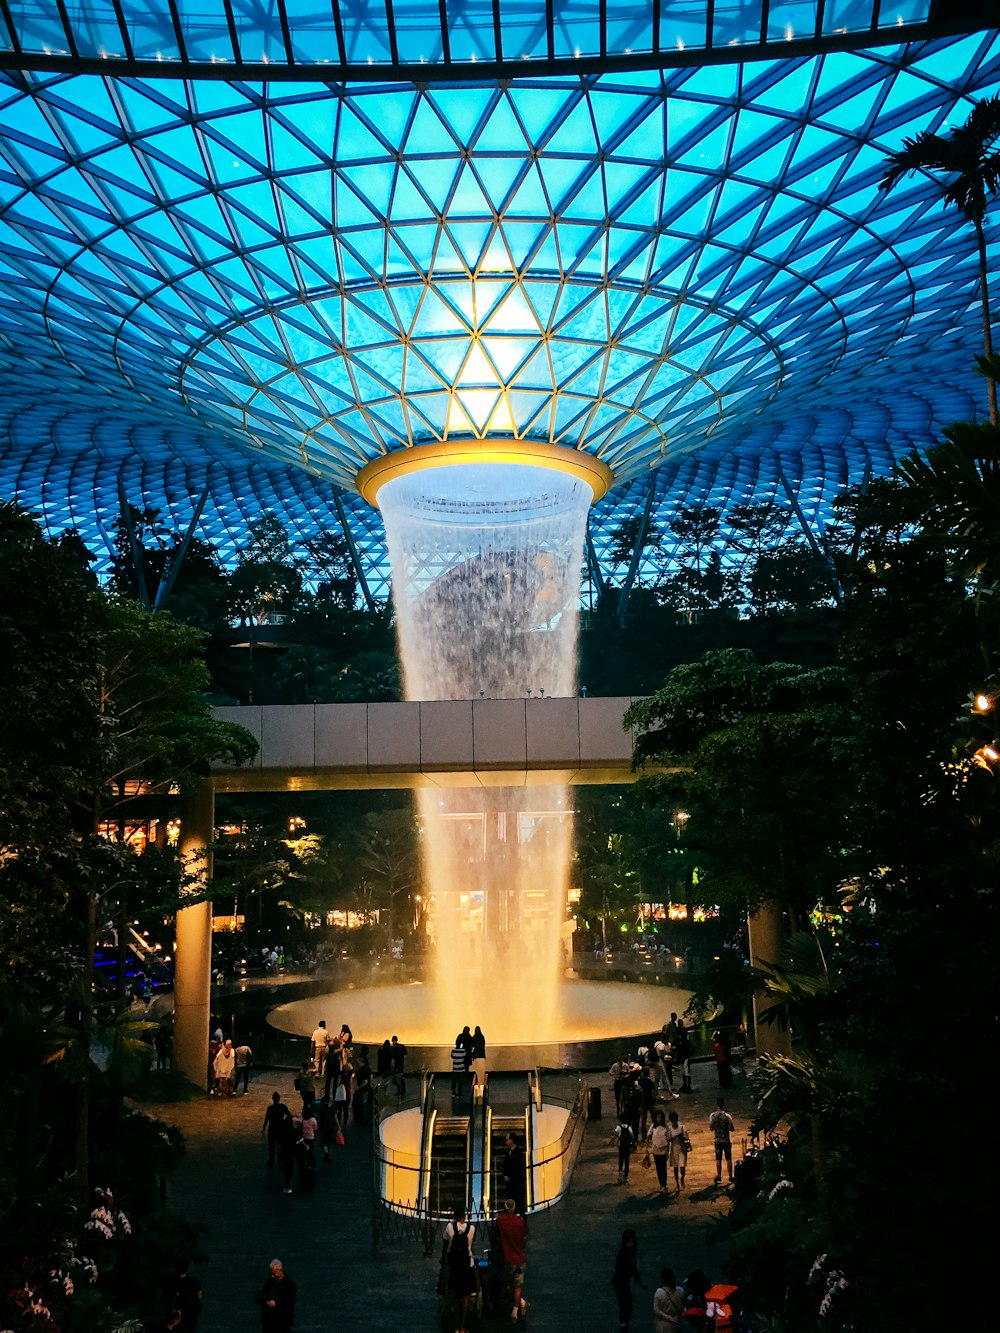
647	1160
686	1143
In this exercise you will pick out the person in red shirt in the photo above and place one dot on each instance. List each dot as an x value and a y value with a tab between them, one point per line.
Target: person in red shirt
512	1241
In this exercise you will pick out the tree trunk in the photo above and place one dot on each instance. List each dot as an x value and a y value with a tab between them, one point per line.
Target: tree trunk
81	1157
984	294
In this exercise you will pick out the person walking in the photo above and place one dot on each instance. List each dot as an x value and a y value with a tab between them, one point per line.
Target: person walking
222	1067
511	1237
461	1266
274	1120
626	1142
243	1059
669	1303
678	1147
659	1145
720	1122
276	1299
626	1272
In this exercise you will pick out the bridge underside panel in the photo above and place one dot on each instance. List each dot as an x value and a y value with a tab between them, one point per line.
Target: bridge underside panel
452	743
356	780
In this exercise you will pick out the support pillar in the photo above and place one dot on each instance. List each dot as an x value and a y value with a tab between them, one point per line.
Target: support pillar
767	936
193	953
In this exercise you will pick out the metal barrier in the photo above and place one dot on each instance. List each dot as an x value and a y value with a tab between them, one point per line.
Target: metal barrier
409	1186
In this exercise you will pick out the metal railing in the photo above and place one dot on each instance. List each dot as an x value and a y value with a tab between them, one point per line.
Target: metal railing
404	1205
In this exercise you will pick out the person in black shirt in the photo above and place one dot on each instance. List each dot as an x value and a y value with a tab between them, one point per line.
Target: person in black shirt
515	1173
398	1065
187	1300
274	1118
276	1299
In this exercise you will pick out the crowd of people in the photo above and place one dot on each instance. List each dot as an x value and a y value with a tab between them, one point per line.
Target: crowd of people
334	1089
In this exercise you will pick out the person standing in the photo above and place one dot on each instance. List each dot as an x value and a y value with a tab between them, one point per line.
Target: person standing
305	1086
647	1091
677	1150
308	1127
619	1074
398	1066
722	1049
460	1058
512	1242
682	1056
341	1097
383	1064
276	1299
320	1045
478	1056
515	1173
720	1122
659	1145
222	1067
188	1299
274	1120
461	1266
626	1142
361	1103
163	1044
626	1272
669	1303
243	1059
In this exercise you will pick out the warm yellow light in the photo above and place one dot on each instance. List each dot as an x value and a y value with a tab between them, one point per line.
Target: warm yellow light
983	703
449	453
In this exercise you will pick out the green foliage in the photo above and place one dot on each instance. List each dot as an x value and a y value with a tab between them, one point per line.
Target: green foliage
743	744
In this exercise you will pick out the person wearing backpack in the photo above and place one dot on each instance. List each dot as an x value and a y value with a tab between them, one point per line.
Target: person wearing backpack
457	1258
626	1142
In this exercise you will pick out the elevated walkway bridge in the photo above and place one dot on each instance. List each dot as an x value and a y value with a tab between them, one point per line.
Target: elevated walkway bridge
451	742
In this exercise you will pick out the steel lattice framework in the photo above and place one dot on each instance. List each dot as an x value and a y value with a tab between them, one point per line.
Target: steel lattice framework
253	288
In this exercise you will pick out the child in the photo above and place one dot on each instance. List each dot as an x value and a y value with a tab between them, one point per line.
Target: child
626	1142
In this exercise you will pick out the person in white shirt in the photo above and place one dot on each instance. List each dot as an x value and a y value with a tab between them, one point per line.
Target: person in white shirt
320	1046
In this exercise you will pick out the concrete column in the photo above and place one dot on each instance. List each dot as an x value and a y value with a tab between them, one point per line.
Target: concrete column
193	955
767	934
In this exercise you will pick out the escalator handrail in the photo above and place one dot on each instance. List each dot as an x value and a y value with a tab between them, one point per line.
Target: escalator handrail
429	1119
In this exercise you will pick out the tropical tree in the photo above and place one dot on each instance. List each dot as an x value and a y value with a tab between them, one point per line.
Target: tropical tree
761	757
968	163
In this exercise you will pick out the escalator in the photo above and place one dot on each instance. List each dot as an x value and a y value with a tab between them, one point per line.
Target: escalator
448	1184
500	1127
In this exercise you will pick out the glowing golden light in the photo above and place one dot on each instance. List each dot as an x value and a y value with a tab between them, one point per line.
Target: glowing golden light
531	453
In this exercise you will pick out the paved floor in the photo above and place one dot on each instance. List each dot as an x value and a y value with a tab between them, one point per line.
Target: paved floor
325	1238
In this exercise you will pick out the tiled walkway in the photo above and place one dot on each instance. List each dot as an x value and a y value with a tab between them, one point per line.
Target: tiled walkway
325	1238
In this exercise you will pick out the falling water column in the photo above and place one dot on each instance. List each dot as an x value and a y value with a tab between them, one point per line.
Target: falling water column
486	550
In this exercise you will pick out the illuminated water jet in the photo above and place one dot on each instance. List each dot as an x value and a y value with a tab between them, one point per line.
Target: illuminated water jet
486	550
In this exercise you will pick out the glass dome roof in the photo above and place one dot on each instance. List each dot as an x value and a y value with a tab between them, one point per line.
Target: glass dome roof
688	271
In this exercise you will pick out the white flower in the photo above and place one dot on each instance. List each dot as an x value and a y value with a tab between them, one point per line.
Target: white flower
779	1187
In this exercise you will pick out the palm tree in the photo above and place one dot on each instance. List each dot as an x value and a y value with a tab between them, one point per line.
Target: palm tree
970	165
